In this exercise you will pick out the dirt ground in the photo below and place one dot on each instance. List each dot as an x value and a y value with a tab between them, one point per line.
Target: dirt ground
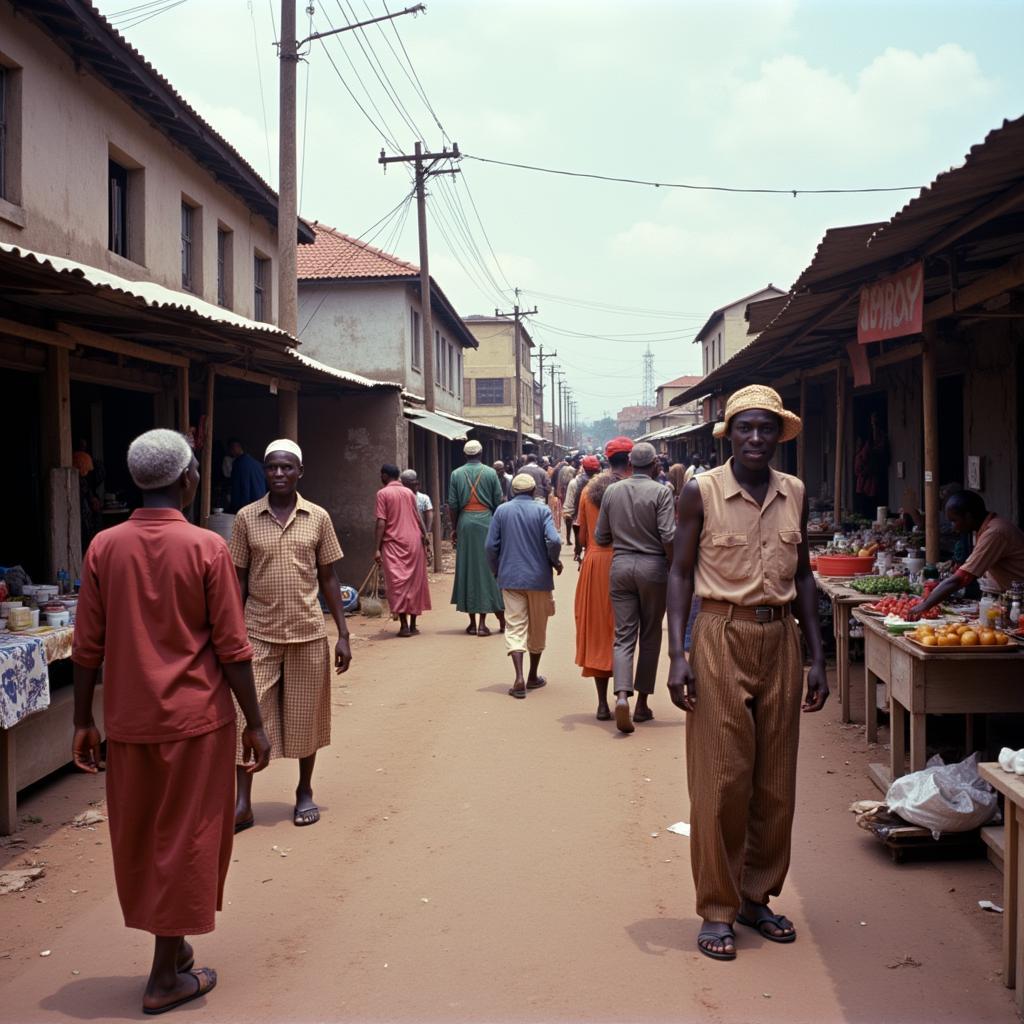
481	858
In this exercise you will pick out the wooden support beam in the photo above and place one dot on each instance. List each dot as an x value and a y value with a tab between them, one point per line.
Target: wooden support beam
59	444
988	287
801	439
93	339
288	414
206	468
1003	203
837	508
256	377
31	333
899	355
930	403
183	399
812	325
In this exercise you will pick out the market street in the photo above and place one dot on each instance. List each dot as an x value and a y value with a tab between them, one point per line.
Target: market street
481	858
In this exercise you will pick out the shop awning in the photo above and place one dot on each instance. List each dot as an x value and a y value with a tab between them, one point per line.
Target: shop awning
436	423
673	433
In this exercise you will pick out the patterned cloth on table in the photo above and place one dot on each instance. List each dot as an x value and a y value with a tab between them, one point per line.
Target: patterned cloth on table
24	678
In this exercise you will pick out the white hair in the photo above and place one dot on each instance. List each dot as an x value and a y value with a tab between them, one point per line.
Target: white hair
408	476
157	458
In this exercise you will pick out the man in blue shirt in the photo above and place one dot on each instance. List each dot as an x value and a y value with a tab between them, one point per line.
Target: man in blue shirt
522	548
248	480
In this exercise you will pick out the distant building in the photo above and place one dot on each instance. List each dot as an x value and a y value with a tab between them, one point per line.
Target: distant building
490	394
632	419
666	415
725	331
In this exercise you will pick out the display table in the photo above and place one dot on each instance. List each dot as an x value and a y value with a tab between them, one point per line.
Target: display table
1012	788
844	599
35	725
920	681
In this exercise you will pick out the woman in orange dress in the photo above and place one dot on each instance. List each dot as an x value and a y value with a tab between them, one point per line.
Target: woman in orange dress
595	620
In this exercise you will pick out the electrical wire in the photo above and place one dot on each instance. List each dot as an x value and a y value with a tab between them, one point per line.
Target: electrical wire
422	92
273	24
618	339
695	188
604	307
128	23
259	78
127	13
305	116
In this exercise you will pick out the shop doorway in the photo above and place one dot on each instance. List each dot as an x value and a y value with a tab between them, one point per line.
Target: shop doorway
871	452
23	515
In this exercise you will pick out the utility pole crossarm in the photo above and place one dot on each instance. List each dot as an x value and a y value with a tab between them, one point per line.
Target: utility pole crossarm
418	9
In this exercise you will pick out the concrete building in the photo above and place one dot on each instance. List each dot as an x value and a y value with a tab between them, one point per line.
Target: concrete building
491	374
666	415
725	331
359	308
632	420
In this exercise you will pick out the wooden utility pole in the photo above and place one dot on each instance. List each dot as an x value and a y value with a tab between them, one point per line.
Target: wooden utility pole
541	356
517	349
424	170
288	199
930	415
554	417
837	509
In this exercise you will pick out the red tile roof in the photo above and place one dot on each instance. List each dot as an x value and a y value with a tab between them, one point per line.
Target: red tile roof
335	255
682	382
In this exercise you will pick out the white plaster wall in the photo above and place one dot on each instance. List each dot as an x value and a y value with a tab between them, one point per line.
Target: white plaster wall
69	122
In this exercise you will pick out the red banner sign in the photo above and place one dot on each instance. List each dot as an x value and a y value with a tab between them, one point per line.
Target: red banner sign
892	307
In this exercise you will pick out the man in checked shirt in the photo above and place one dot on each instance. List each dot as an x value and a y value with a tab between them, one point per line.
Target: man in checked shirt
284	549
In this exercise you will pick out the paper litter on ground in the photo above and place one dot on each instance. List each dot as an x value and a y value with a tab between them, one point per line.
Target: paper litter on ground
989	905
681	828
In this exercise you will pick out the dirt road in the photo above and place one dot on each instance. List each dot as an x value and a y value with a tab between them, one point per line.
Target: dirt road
481	858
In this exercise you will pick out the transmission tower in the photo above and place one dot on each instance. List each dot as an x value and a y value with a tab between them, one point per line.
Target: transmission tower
648	396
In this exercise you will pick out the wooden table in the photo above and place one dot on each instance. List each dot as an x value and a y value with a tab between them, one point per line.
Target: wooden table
921	682
1012	788
844	599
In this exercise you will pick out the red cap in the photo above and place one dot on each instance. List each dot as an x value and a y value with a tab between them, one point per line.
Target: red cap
616	445
591	463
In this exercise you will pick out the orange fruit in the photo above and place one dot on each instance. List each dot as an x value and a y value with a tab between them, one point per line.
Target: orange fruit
1002	639
930	641
987	638
969	638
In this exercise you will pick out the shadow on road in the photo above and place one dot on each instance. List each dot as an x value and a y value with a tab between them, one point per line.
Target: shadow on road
657	935
103	999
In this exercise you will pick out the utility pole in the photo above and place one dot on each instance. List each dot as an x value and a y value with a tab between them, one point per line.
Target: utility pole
554	408
517	346
541	356
288	200
423	172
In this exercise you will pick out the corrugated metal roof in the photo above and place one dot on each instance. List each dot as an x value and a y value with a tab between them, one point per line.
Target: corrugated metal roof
343	375
148	293
436	423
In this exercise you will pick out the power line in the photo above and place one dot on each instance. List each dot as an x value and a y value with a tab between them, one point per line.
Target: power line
412	68
620	339
130	22
695	188
259	78
305	116
605	307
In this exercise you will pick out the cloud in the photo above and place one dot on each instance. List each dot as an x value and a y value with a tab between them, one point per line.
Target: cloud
894	105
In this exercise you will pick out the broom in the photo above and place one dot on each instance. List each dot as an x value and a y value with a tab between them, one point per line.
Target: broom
369	603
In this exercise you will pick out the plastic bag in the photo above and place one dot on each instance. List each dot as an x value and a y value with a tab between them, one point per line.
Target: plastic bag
944	797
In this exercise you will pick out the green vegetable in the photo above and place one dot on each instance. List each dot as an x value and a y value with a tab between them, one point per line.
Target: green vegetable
878	585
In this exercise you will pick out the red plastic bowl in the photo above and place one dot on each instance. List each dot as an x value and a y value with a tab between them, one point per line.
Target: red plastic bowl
844	565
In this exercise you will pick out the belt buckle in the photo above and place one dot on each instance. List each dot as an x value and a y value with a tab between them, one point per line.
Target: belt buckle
764	613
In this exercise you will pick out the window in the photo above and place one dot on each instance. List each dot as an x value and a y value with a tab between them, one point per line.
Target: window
490	391
187	268
225	266
118	234
417	340
261	288
10	141
458	374
437	358
451	367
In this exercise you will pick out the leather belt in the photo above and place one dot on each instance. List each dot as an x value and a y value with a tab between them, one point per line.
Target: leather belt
748	613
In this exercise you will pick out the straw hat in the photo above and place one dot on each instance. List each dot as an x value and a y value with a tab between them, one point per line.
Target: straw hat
759	396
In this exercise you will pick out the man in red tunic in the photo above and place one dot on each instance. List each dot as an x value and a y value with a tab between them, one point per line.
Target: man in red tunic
400	549
161	611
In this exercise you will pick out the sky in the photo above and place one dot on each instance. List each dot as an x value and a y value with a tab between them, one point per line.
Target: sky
773	94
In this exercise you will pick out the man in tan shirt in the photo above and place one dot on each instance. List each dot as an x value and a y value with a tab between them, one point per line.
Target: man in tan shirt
284	549
741	547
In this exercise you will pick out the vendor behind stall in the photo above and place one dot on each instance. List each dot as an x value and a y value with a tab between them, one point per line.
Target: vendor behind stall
998	548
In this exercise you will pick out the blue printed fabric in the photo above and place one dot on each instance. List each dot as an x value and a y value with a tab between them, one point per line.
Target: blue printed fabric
24	679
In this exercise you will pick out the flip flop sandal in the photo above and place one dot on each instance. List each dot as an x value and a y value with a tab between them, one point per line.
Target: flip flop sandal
537	683
242	826
623	719
298	818
471	631
772	920
483	631
641	716
716	938
604	715
518	694
206	981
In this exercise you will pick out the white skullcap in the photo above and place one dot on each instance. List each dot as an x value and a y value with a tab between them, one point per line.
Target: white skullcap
523	483
157	458
282	444
472	448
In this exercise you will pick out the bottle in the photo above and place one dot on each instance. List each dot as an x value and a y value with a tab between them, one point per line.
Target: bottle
984	605
1014	613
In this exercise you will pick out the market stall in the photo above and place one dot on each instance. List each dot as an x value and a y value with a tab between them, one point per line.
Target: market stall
925	680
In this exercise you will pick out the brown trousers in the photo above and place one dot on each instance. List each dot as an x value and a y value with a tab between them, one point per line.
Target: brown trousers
741	748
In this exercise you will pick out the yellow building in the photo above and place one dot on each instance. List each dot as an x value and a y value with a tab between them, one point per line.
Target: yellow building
489	386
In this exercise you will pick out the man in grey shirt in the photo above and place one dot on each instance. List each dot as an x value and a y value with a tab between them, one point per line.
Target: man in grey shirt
540	475
637	518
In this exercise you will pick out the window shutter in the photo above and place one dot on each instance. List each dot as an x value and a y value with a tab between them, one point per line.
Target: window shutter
467	391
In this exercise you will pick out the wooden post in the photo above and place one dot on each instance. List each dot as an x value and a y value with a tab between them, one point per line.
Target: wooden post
930	403
837	508
206	469
288	414
59	383
183	399
801	441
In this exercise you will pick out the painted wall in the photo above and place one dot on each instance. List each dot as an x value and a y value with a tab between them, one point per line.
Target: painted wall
495	358
367	328
70	123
